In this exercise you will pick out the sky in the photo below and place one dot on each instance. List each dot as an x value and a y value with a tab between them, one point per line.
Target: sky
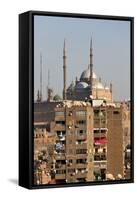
111	52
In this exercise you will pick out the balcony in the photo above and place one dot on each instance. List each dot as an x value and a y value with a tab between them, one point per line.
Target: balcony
81	156
100	132
81	165
100	114
100	164
60	166
100	117
100	141
100	157
100	125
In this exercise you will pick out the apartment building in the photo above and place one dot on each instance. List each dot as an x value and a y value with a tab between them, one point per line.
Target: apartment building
74	142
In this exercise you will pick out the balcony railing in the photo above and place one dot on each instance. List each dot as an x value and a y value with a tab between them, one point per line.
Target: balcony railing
81	165
82	156
100	125
81	146
60	166
100	164
100	157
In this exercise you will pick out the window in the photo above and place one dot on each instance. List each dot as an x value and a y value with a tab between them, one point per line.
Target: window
81	151
60	133
71	170
103	131
60	122
59	163
100	131
82	170
79	142
82	122
96	112
60	171
103	121
96	150
99	157
99	113
82	132
81	161
115	112
104	150
126	131
96	131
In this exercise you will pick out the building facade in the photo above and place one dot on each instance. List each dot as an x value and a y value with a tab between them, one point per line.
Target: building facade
74	143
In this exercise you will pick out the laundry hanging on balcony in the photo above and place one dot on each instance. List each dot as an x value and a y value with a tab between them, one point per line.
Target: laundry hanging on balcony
101	140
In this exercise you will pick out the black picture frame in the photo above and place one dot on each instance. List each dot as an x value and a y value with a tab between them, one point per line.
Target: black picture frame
26	94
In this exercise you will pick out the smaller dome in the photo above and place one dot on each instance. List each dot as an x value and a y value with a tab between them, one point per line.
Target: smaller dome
81	85
71	86
106	88
56	97
99	85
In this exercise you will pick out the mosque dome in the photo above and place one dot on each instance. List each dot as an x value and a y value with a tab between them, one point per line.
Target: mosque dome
71	86
106	88
56	97
99	85
86	74
81	85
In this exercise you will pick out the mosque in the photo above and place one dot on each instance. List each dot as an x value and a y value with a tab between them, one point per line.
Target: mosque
80	90
88	85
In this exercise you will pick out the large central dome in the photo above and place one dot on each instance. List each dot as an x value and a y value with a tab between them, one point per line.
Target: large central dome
81	85
86	74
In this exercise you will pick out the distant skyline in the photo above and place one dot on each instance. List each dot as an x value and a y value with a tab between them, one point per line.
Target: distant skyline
111	52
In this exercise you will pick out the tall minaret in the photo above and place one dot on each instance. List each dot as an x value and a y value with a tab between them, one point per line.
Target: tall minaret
64	72
40	77
111	91
91	67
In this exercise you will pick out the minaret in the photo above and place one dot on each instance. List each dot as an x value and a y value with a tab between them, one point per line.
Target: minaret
111	87
91	67
64	72
40	95
49	90
111	91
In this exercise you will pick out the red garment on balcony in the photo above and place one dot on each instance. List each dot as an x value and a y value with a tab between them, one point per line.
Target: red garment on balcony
101	140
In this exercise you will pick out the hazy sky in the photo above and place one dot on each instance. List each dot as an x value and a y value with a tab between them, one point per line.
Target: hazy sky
111	52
